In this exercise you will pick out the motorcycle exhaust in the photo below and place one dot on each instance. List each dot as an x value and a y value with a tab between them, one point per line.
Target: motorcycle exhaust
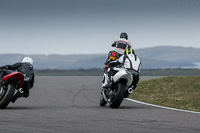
130	90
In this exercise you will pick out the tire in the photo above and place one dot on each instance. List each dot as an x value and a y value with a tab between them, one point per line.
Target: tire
7	97
102	101
117	99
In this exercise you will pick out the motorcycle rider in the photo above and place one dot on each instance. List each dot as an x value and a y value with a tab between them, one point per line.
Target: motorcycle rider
120	45
133	64
26	68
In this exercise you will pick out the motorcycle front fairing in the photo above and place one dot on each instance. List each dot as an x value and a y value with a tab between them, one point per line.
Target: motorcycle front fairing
15	76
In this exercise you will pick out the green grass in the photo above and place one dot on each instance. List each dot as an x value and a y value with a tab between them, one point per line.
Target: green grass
175	92
170	72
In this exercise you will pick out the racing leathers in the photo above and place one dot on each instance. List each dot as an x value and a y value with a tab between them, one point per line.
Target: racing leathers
133	64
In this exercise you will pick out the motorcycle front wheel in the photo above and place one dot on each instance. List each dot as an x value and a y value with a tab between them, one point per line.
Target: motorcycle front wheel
102	101
6	95
117	98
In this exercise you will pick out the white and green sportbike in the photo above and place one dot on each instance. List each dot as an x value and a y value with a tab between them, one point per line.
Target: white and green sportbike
125	69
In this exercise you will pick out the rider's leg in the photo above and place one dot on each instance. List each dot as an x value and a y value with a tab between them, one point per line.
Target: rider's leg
136	79
26	88
23	93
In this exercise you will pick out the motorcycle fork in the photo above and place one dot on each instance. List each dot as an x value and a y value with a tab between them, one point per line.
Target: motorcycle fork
2	90
108	93
104	95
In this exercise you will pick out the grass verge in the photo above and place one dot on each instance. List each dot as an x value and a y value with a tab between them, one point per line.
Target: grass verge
175	92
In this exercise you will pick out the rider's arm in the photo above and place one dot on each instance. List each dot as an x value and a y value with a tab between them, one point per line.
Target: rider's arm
14	66
4	67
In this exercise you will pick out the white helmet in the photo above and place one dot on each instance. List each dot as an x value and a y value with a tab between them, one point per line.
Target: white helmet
27	60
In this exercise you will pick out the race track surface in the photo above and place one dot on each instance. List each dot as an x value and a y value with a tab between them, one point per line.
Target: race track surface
71	105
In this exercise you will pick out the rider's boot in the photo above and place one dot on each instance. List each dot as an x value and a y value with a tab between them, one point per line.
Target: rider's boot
134	87
17	95
26	92
21	93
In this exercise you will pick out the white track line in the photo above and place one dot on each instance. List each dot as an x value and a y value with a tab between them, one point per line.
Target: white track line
162	106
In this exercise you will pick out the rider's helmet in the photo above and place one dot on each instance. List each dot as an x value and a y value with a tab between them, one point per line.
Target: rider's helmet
124	35
27	60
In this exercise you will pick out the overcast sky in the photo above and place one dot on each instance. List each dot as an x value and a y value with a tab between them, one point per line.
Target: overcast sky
91	26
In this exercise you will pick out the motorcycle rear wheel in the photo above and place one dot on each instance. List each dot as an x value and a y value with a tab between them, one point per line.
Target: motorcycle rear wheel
7	96
117	99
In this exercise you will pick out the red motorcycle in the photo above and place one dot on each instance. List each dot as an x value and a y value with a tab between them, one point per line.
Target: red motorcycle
11	82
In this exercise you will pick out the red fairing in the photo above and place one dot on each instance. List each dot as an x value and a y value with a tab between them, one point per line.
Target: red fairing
17	75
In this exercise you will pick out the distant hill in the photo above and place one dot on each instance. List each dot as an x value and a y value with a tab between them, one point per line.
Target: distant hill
58	61
169	57
155	57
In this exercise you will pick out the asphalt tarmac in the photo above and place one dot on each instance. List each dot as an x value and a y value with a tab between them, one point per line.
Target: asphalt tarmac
71	105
